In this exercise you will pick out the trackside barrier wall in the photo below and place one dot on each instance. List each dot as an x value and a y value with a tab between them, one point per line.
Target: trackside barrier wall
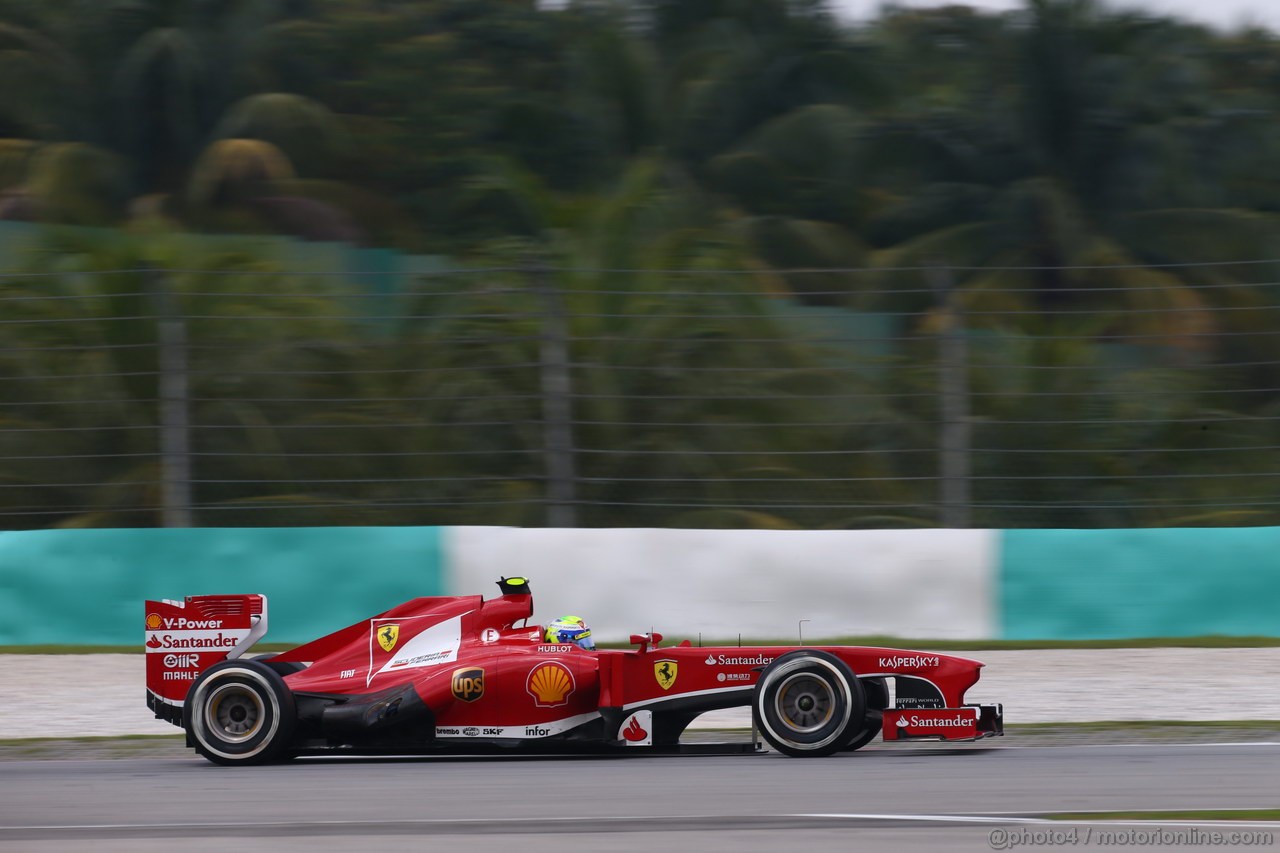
757	583
86	586
1177	582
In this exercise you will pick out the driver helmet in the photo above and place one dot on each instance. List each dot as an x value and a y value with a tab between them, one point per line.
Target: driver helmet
570	629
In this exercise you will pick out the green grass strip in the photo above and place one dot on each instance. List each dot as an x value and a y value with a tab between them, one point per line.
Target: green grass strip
91	739
1139	725
1206	642
106	747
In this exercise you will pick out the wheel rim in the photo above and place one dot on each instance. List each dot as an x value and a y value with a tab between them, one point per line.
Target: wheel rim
234	712
805	702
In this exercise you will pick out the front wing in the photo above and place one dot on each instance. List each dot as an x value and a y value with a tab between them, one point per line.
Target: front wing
971	722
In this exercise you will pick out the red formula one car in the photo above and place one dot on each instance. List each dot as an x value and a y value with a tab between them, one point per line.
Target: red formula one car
462	674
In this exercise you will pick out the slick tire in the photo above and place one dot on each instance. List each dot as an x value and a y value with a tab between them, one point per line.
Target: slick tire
240	712
808	704
278	666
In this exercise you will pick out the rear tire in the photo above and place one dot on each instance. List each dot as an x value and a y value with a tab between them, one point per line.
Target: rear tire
280	667
808	704
240	712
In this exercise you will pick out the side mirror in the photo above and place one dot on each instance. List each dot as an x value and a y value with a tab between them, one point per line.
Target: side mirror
646	640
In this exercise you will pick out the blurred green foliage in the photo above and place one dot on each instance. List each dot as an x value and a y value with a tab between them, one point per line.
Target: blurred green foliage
1043	133
1089	175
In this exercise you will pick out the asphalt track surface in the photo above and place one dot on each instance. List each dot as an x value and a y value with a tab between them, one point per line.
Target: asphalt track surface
882	798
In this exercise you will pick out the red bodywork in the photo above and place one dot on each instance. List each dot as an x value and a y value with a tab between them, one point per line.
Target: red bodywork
472	671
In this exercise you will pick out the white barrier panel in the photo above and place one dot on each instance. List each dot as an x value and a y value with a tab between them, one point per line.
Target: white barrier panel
757	583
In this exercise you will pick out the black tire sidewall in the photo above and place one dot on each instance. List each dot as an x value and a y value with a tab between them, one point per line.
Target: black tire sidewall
850	704
279	713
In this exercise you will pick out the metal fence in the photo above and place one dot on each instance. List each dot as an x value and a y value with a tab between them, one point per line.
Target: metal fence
1057	397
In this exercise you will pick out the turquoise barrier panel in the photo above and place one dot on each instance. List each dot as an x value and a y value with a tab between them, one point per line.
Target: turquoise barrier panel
87	586
1102	584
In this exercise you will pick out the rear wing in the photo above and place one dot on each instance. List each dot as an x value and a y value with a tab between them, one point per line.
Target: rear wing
184	638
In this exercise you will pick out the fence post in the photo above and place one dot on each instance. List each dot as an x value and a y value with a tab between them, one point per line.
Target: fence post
953	386
557	403
175	440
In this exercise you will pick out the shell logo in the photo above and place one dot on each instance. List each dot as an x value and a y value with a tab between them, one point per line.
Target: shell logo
550	684
153	621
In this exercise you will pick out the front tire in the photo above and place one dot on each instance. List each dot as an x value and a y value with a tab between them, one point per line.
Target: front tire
240	712
808	704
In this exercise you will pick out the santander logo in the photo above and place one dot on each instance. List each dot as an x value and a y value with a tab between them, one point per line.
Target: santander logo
936	722
634	732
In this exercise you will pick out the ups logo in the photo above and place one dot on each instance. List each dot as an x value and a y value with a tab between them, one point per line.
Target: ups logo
468	684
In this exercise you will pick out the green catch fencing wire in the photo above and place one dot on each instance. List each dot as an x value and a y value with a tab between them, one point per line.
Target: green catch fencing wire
300	397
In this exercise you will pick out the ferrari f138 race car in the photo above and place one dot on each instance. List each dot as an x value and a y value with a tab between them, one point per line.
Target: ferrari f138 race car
463	674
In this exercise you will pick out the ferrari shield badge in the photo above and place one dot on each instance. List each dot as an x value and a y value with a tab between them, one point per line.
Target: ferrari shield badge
388	635
665	671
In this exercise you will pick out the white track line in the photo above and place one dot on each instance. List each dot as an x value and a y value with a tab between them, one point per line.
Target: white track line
444	822
985	746
1100	821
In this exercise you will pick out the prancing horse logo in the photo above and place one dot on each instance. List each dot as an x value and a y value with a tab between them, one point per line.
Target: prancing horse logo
665	671
387	637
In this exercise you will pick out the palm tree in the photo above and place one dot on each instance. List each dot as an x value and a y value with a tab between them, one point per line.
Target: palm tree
689	390
81	362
